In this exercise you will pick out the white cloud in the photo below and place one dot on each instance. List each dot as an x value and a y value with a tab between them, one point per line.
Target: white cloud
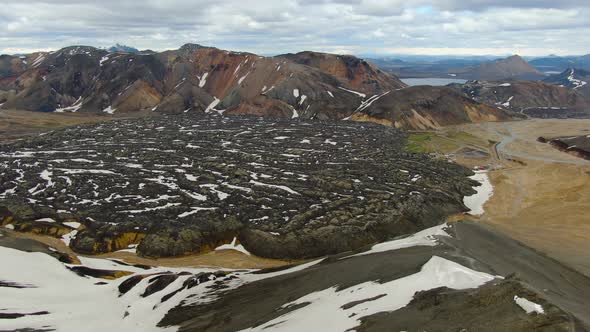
269	26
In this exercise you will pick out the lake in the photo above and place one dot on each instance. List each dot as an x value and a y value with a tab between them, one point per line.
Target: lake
434	81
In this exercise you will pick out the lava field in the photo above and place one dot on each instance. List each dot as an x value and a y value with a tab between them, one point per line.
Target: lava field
182	185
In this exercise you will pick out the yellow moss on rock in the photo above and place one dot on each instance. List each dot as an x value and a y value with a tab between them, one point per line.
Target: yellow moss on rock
7	220
362	117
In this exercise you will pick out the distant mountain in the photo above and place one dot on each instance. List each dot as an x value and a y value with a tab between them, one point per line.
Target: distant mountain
576	79
122	48
425	67
560	64
514	67
196	78
387	64
469	68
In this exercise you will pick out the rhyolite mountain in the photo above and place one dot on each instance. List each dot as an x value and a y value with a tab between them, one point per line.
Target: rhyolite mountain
195	78
528	97
573	78
514	67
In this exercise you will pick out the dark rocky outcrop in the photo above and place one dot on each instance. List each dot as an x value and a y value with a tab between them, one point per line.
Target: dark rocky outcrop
129	283
84	271
578	146
158	283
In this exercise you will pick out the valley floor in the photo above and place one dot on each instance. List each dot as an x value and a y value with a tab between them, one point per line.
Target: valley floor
16	124
541	195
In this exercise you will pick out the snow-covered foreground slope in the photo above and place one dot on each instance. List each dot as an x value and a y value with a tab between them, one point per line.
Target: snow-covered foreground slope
336	294
76	303
47	294
53	296
330	308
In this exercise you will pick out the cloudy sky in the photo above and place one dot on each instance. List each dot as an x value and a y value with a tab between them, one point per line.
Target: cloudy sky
440	27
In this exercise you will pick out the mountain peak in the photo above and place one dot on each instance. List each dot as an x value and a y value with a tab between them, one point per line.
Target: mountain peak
192	47
514	57
78	49
512	67
122	48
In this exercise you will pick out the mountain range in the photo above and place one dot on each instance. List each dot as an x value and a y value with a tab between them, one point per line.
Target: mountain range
480	68
196	78
559	63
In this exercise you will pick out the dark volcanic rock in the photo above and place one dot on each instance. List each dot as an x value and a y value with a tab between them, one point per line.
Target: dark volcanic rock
158	283
129	283
557	113
182	185
578	146
9	315
84	271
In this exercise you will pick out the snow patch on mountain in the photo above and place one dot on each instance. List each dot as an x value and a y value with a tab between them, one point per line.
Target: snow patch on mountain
203	80
73	108
109	110
476	201
211	106
575	82
233	246
528	306
362	95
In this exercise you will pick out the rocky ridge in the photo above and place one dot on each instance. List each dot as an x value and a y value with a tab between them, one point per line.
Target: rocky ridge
536	99
427	107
